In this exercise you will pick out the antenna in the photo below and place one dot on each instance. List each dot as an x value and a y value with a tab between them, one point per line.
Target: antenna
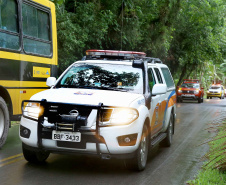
122	24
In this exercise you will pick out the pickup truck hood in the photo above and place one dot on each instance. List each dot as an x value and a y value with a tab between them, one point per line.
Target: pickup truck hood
188	89
87	96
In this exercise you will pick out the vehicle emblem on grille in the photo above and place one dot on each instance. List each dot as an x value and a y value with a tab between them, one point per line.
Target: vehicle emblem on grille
188	91
74	113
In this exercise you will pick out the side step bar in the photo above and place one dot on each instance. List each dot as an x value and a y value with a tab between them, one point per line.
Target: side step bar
158	139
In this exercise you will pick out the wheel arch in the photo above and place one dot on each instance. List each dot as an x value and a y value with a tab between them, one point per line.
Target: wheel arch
5	95
173	112
147	122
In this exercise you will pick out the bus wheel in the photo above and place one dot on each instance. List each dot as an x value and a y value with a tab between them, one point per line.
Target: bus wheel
4	122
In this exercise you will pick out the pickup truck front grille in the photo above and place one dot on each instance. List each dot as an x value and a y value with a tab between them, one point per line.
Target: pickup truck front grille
188	92
64	126
66	117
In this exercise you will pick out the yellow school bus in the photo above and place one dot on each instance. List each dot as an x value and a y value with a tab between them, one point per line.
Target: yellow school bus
28	54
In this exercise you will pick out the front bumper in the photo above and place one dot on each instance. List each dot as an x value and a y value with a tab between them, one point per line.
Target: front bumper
214	95
95	140
188	96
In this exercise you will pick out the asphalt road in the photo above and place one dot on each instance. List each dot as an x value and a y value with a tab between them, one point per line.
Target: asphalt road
166	166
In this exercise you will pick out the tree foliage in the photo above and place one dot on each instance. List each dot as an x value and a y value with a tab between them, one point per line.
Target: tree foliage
187	35
197	39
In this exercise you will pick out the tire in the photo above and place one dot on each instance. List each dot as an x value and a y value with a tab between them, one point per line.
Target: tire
168	140
207	97
34	156
138	163
199	100
4	122
179	100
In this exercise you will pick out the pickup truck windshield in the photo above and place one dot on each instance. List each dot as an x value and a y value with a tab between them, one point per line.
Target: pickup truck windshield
103	76
215	87
190	85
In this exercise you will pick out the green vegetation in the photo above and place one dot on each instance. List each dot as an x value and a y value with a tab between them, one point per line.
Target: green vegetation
214	170
189	36
209	177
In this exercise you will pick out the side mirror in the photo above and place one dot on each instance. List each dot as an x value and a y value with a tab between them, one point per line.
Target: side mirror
50	81
159	89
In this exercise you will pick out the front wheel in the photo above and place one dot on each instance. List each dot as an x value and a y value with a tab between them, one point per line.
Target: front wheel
4	121
34	156
200	99
138	163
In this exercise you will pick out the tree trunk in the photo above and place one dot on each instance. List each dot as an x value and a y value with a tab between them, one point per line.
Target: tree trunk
183	72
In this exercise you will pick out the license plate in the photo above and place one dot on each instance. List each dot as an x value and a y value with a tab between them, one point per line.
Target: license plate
188	95
66	136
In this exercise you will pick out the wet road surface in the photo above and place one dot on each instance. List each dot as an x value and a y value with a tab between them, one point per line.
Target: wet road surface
166	166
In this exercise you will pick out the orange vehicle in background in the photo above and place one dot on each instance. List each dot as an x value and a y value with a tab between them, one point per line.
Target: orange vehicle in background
190	90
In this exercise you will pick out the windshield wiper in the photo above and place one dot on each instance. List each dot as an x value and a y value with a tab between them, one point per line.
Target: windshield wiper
113	89
95	87
77	86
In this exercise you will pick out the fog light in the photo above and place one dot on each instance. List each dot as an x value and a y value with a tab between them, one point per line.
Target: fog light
24	132
127	140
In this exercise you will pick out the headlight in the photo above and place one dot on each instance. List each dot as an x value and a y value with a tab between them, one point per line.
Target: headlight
179	90
118	116
208	92
196	91
33	110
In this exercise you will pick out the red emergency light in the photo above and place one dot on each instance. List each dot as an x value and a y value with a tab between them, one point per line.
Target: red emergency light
126	54
191	81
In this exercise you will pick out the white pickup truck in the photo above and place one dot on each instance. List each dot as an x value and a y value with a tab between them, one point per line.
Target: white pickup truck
114	104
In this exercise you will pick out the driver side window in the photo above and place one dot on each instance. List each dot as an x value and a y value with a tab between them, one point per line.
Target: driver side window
151	79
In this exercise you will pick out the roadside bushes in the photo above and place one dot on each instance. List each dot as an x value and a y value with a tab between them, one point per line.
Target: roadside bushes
217	154
214	170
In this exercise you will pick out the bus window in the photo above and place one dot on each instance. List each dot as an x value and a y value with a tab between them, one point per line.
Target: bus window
9	34
36	31
28	54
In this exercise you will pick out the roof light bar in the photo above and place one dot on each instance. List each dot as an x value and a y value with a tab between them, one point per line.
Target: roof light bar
126	54
191	80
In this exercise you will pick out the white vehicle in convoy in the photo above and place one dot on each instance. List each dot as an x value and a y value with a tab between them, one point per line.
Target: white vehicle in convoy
113	104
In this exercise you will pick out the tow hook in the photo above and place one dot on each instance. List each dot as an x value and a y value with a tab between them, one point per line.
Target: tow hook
105	156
